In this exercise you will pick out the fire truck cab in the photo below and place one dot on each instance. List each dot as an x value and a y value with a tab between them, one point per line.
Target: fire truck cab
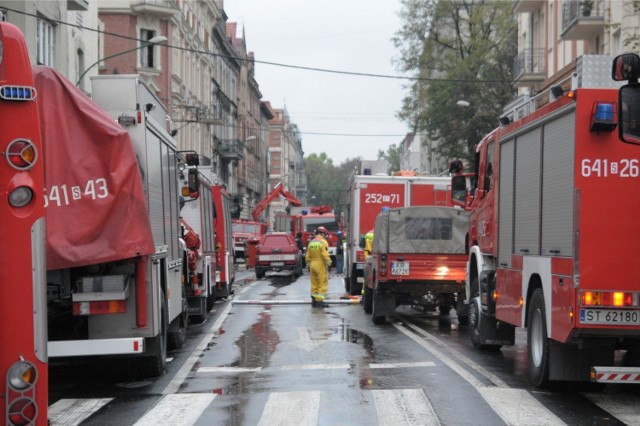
553	239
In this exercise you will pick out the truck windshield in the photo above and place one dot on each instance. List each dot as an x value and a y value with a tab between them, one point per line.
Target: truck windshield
311	223
247	228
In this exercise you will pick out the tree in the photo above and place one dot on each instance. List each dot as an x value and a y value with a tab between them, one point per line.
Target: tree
393	155
460	50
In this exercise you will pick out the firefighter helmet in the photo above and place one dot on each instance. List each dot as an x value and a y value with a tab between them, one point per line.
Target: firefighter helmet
321	230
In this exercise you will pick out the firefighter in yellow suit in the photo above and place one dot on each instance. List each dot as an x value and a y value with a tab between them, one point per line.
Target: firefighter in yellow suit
318	260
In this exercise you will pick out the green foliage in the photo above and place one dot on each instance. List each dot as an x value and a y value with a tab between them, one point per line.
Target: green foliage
461	50
326	182
393	155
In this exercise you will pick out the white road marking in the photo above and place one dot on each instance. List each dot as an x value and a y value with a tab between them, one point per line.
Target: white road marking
180	409
497	397
623	406
228	369
291	408
314	367
71	412
404	365
518	407
397	407
174	385
438	346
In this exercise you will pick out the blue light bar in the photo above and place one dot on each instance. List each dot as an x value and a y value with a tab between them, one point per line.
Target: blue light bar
604	112
17	93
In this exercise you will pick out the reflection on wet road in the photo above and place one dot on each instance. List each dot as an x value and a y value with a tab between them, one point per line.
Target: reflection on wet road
281	361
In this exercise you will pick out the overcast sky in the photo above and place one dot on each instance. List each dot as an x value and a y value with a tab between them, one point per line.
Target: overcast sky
343	35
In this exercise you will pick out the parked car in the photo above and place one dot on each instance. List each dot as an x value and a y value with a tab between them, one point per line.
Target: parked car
278	251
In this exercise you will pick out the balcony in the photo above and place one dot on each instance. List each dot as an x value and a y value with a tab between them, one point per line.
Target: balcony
159	8
529	67
231	150
79	5
527	6
582	19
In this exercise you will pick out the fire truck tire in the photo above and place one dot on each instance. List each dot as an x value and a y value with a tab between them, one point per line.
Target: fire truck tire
444	309
177	333
376	317
354	286
154	364
211	298
537	340
367	300
260	273
478	322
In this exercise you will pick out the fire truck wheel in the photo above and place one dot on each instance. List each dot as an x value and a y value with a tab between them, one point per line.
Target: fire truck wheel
537	340
154	364
478	323
367	300
354	286
375	317
260	273
178	329
211	298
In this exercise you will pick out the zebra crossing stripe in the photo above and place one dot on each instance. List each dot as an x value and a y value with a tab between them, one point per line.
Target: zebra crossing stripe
404	365
518	407
177	409
623	406
397	407
291	408
72	412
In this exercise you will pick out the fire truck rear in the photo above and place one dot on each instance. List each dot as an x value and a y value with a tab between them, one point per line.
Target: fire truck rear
553	236
23	334
367	195
114	261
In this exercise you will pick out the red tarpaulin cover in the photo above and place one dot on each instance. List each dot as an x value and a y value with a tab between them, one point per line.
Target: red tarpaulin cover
96	210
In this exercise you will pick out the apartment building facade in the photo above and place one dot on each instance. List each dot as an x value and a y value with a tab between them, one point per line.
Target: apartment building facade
184	53
554	34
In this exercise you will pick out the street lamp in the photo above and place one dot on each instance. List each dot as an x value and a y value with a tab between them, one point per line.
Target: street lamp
152	41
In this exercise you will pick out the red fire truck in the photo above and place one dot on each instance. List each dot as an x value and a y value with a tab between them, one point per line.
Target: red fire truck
225	271
243	231
23	300
553	236
199	236
367	195
114	259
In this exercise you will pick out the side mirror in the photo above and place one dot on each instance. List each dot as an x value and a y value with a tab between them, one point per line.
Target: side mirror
626	67
459	190
194	184
629	114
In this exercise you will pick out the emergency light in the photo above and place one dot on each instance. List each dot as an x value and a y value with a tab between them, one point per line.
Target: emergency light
17	93
603	117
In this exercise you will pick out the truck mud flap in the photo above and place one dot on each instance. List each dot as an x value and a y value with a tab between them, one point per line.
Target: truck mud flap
197	306
384	303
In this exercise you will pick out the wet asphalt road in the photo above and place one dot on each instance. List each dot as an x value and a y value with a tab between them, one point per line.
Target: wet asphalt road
289	363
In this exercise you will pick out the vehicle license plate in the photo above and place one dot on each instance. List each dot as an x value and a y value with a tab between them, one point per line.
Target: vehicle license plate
400	268
270	257
277	263
608	316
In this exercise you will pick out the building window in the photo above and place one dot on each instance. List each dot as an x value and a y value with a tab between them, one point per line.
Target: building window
80	66
147	54
44	43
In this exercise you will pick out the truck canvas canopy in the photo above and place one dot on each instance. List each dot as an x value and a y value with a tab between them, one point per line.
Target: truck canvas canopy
96	209
424	229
